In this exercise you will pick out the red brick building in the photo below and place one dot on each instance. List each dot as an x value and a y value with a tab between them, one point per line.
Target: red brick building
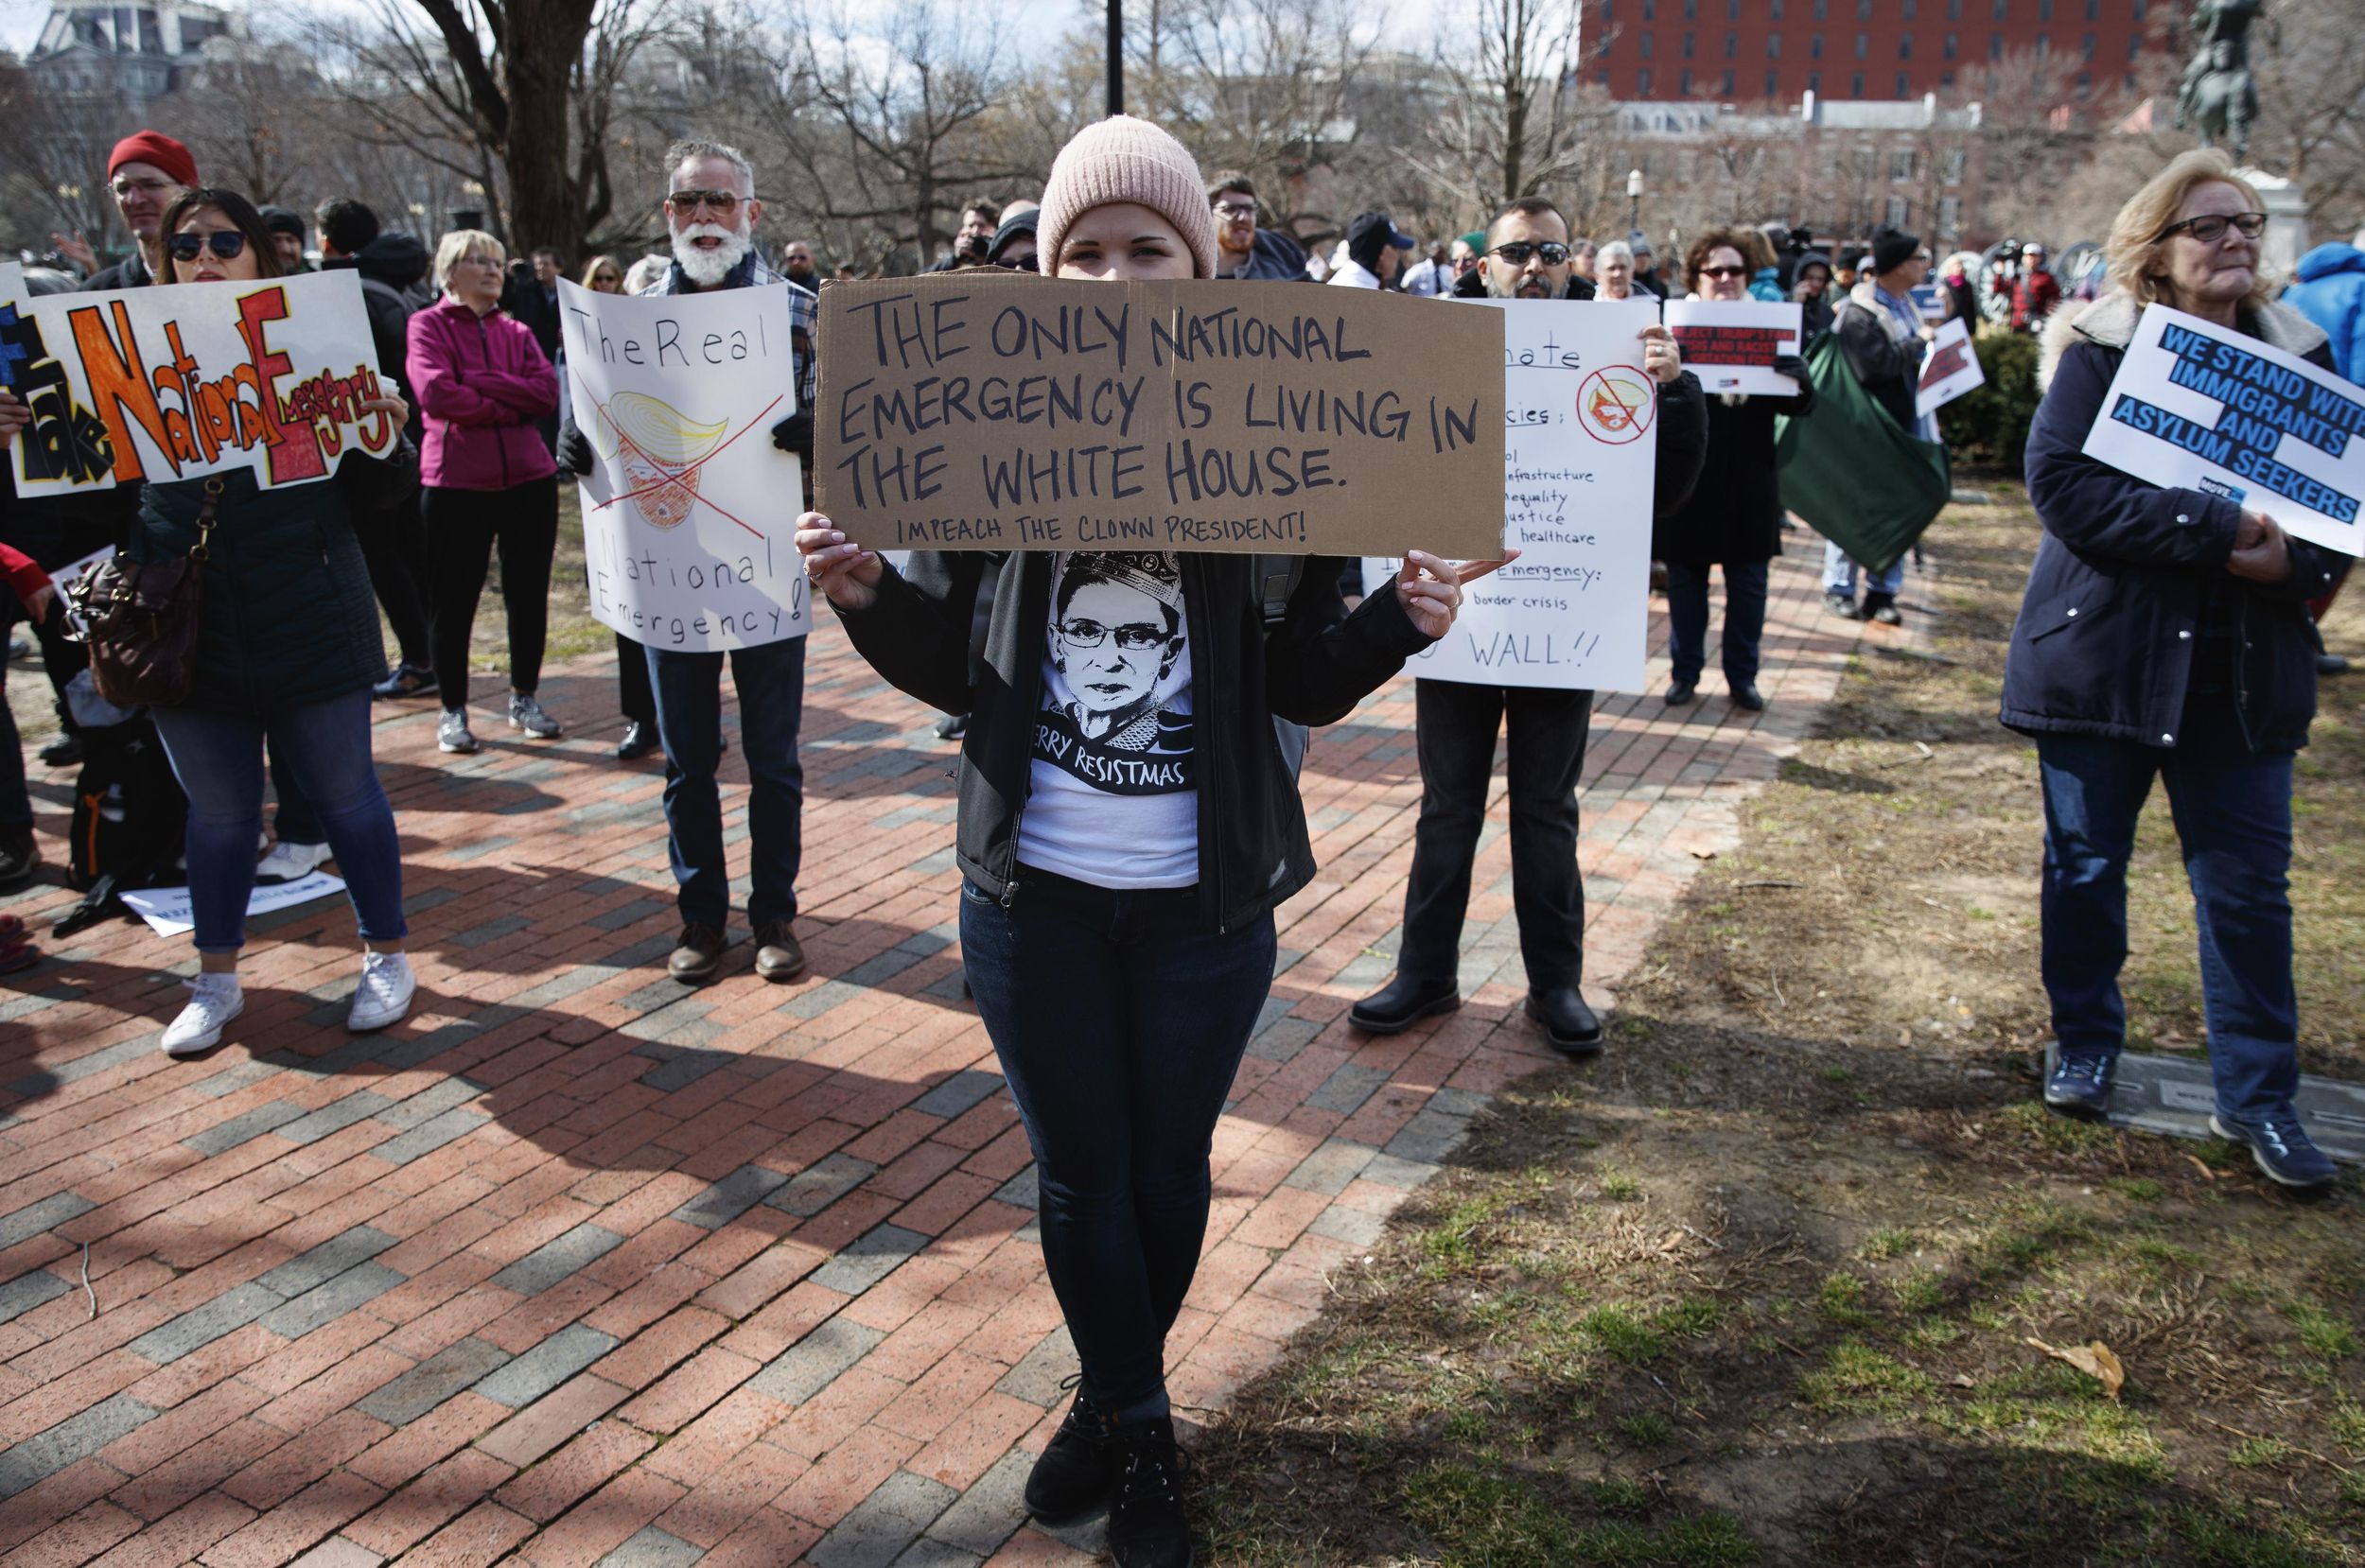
1747	50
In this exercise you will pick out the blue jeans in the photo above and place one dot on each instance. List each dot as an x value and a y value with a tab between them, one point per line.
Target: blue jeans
689	687
1119	1027
1688	622
2233	813
295	822
218	759
1839	574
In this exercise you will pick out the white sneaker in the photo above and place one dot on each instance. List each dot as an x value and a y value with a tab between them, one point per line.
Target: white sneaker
216	1002
286	861
385	991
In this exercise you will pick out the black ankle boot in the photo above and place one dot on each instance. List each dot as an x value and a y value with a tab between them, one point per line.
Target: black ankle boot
1147	1528
1073	1475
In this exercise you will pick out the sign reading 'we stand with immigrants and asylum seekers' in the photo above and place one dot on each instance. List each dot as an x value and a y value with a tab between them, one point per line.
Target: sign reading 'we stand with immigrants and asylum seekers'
973	411
172	383
2199	407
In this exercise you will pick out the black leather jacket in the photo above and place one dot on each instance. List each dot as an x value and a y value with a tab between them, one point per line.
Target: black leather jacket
1311	670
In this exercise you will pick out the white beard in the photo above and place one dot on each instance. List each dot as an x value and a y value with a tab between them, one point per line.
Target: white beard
705	268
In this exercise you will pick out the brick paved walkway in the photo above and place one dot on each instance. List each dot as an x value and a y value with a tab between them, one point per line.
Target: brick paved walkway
581	1265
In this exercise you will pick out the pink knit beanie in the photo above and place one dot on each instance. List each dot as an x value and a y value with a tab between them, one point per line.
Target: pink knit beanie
1123	159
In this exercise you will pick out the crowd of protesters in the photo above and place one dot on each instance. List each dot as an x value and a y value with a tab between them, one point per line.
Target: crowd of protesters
1085	911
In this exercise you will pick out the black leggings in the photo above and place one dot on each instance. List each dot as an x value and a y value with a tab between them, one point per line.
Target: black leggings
462	525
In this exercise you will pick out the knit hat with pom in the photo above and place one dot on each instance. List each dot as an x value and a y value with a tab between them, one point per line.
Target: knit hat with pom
1123	159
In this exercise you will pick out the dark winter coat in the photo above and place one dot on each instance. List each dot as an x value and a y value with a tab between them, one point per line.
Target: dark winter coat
1885	358
1274	258
2107	631
389	265
287	618
130	272
1313	668
1734	516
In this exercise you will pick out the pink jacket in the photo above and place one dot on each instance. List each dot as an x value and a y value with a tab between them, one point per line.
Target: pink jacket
481	382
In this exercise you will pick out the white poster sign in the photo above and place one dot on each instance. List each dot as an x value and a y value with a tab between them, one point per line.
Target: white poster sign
196	378
166	910
690	513
2199	407
1579	458
1732	346
1948	369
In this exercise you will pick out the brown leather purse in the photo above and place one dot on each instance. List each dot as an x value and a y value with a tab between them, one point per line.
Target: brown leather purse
140	620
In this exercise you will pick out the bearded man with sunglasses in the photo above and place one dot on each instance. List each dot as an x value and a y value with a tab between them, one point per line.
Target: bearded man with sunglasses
711	211
1527	258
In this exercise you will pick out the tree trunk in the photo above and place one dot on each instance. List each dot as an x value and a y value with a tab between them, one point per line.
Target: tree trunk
544	39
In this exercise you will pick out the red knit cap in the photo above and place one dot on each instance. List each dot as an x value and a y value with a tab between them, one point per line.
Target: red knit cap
155	148
1123	159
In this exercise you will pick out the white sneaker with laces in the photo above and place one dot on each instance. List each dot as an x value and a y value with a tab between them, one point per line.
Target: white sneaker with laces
384	994
216	1000
286	861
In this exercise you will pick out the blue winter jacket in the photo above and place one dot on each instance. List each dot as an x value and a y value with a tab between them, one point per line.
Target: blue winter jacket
2105	640
2331	292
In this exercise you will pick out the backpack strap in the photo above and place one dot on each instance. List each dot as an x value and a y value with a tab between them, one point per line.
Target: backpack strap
1277	580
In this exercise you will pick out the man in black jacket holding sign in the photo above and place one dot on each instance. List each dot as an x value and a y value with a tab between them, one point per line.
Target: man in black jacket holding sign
1527	258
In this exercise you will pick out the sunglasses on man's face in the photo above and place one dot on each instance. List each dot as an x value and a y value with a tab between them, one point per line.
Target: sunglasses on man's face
224	243
1516	251
1724	271
722	202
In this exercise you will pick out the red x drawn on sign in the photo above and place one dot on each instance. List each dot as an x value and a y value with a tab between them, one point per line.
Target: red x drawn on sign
676	476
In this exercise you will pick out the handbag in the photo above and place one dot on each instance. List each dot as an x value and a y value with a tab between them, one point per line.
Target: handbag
140	620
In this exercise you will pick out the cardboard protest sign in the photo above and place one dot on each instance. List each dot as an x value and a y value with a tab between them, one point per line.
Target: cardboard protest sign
1732	346
1948	369
1580	458
968	411
170	383
690	512
2201	407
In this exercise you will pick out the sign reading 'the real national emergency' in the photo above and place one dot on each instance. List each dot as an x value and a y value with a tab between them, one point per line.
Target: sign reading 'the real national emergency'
2199	407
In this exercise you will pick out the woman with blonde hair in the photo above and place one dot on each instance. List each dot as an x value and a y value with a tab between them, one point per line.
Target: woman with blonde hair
2165	635
481	382
603	275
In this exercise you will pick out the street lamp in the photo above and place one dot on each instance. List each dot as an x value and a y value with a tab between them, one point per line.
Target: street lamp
1633	199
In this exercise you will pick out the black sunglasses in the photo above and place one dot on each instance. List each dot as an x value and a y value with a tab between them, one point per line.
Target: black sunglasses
1518	251
224	243
1724	271
2209	227
722	202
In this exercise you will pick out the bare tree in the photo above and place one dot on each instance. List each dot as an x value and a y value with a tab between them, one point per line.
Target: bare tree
1515	120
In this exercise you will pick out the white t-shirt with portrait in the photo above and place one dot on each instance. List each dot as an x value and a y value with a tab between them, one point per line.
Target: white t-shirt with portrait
1116	786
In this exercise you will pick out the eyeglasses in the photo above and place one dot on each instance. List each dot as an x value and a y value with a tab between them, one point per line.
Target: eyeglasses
224	243
1131	638
1724	271
722	202
1235	209
1016	264
1518	251
151	187
1922	257
2209	227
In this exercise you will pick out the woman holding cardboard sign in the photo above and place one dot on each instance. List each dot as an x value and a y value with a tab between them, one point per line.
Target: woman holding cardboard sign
2165	635
287	650
1734	518
1128	825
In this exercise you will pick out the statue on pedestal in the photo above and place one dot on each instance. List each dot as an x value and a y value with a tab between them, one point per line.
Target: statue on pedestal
2218	98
